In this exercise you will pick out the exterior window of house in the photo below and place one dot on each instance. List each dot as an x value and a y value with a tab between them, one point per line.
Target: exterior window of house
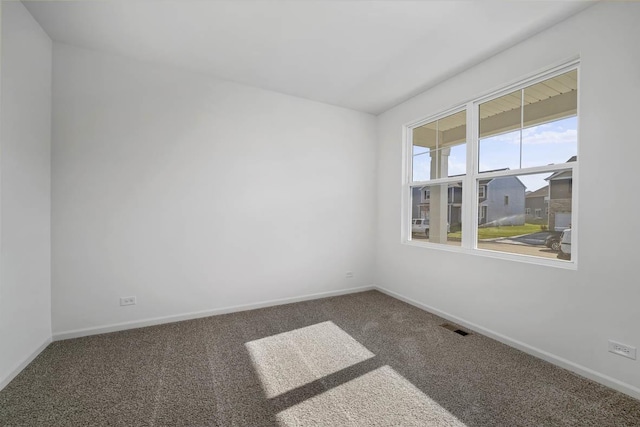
438	167
519	141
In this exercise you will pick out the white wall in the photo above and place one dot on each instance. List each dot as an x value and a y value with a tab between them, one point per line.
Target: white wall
194	194
25	233
568	314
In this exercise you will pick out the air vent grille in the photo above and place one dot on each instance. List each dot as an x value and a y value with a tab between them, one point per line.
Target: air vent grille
456	329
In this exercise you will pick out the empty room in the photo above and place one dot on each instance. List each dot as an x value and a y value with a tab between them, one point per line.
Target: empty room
319	213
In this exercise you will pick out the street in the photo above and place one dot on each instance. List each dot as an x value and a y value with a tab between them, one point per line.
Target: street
509	245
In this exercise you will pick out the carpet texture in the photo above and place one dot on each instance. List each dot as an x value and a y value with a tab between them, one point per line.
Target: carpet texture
364	359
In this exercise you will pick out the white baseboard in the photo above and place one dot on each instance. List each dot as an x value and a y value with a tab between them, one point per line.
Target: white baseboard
77	333
541	354
23	364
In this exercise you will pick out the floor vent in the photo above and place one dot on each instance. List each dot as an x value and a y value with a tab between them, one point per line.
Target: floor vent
455	329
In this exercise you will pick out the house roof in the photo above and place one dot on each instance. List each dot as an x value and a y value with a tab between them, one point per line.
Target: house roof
559	175
562	174
540	192
488	181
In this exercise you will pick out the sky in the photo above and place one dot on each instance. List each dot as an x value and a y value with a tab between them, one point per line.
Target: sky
549	143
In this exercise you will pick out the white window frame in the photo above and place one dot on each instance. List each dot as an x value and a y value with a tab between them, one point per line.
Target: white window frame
470	194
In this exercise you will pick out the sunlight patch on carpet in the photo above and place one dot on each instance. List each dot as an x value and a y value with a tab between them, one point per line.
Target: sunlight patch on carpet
292	359
381	397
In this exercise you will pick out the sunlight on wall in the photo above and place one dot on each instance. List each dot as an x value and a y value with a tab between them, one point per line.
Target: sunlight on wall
295	358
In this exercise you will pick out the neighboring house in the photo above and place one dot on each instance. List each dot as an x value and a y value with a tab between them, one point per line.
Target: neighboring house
560	193
422	198
536	206
420	202
501	201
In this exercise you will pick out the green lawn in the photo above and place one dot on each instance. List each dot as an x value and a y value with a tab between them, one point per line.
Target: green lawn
504	231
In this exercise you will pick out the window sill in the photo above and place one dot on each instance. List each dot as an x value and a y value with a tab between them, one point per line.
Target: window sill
527	259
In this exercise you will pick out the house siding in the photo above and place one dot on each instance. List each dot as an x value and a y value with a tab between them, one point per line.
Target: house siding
499	212
534	203
561	190
557	206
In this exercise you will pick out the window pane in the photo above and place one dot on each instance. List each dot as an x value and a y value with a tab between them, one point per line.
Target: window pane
437	213
421	163
552	99
525	214
550	134
439	148
534	126
501	115
500	152
499	144
458	160
550	143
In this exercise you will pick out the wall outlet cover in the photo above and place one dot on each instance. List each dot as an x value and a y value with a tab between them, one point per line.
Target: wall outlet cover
622	349
128	301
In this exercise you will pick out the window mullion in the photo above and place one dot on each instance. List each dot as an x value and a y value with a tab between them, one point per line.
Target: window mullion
521	122
437	156
470	193
405	223
408	157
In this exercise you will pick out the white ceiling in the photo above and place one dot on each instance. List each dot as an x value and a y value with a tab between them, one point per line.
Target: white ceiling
364	55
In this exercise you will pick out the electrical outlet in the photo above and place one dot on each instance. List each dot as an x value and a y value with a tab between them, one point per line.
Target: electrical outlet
349	275
622	349
128	301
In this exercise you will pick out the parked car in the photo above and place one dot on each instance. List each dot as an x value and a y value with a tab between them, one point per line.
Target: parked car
565	245
553	240
420	226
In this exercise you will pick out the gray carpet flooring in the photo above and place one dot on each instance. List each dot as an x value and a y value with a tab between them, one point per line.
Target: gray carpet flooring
355	360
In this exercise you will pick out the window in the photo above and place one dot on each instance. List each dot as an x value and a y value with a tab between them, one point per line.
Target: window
514	146
438	166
